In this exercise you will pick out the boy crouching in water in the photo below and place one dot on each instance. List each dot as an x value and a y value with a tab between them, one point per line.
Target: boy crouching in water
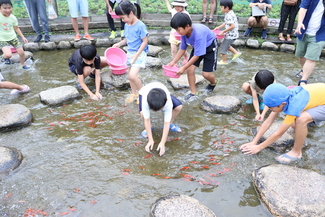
155	96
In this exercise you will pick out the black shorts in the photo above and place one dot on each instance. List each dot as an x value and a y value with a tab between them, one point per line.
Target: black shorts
209	58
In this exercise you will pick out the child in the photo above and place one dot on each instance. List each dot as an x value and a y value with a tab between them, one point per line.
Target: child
231	31
16	87
301	105
256	86
82	63
205	47
8	27
109	8
179	6
136	37
155	96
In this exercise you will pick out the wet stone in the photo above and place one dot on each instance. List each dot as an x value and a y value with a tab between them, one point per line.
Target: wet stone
283	143
111	81
48	45
78	44
154	50
238	43
59	95
182	82
104	42
10	159
289	48
269	46
252	43
221	104
290	191
16	59
64	45
14	116
31	46
179	206
154	40
152	62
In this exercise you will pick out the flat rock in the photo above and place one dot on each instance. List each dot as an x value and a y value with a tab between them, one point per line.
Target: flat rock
16	59
104	42
64	45
59	95
80	43
154	50
111	81
289	48
181	82
152	62
290	191
32	47
10	159
221	104
252	43
238	43
14	116
48	45
269	46
175	205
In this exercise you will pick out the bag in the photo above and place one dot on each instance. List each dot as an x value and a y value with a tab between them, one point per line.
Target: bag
290	2
51	12
257	12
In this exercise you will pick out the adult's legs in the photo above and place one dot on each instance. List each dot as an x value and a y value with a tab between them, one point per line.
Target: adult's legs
293	13
74	22
204	9
85	25
307	69
41	10
283	17
31	6
212	7
109	18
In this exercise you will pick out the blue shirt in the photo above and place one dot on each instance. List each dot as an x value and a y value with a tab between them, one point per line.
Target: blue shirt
201	38
134	35
310	5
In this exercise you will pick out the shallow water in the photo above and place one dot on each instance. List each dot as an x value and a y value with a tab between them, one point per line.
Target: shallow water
68	164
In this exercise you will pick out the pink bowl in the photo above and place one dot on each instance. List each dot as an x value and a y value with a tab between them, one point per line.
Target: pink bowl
13	50
114	16
118	70
170	71
217	32
177	36
115	57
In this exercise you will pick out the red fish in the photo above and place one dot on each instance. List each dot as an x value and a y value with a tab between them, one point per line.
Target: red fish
149	155
205	167
157	174
138	143
194	162
64	213
93	202
126	170
142	167
184	168
215	163
166	177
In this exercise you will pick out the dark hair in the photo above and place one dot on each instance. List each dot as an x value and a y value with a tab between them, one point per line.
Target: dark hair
264	78
88	52
5	2
226	3
156	99
125	8
180	20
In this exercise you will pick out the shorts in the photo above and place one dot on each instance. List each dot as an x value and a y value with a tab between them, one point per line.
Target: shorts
140	62
309	48
225	45
172	39
176	102
14	42
76	6
73	69
317	113
209	58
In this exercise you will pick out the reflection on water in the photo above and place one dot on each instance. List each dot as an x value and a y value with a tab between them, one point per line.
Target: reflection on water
87	157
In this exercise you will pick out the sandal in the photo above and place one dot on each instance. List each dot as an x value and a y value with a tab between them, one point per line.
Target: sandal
289	38
281	38
204	19
144	134
302	81
210	20
299	74
175	128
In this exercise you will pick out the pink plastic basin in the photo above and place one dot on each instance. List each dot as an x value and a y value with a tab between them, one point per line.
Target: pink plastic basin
170	71
115	57
114	16
177	36
13	50
217	32
118	70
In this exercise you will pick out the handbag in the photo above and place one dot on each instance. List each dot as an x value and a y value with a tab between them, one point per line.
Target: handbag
51	12
290	2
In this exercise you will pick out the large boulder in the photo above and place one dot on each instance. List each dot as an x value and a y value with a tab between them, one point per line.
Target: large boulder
59	95
289	48
179	206
152	62
182	82
221	104
290	191
252	43
269	46
13	116
48	45
10	159
16	59
154	50
111	81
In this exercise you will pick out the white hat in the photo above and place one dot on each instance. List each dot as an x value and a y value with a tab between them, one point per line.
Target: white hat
179	3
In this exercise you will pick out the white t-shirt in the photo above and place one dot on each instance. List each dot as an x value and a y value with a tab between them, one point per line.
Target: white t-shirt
316	19
167	109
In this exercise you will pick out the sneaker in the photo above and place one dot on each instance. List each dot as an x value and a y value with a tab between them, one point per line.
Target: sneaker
175	128
7	61
235	56
210	88
92	75
248	31
25	90
113	35
262	105
190	96
131	98
47	38
88	37
264	35
77	38
78	86
144	134
222	63
25	67
38	38
122	33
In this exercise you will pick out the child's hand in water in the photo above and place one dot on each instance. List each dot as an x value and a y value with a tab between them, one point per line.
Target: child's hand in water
149	145
161	147
94	97
259	117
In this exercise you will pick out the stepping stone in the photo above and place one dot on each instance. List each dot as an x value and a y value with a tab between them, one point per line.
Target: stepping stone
59	95
221	104
10	159
14	116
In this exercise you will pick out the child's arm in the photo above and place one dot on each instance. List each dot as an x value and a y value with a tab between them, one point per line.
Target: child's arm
141	48
255	102
231	27
121	43
97	83
81	81
161	146
220	27
18	31
261	117
147	126
168	6
179	54
301	16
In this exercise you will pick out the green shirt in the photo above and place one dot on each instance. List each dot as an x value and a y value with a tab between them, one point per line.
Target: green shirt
7	31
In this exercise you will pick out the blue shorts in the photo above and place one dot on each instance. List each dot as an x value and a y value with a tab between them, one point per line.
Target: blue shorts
140	62
176	102
317	113
209	58
73	69
76	6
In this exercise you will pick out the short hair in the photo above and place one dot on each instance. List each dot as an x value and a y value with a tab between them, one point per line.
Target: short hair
125	8
180	20
156	99
264	78
226	3
88	52
5	2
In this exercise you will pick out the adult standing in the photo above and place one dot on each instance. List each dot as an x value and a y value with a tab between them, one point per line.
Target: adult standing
37	8
80	6
109	9
212	9
310	32
291	12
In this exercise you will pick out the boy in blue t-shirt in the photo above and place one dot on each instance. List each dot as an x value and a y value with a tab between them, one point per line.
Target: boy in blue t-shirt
205	47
